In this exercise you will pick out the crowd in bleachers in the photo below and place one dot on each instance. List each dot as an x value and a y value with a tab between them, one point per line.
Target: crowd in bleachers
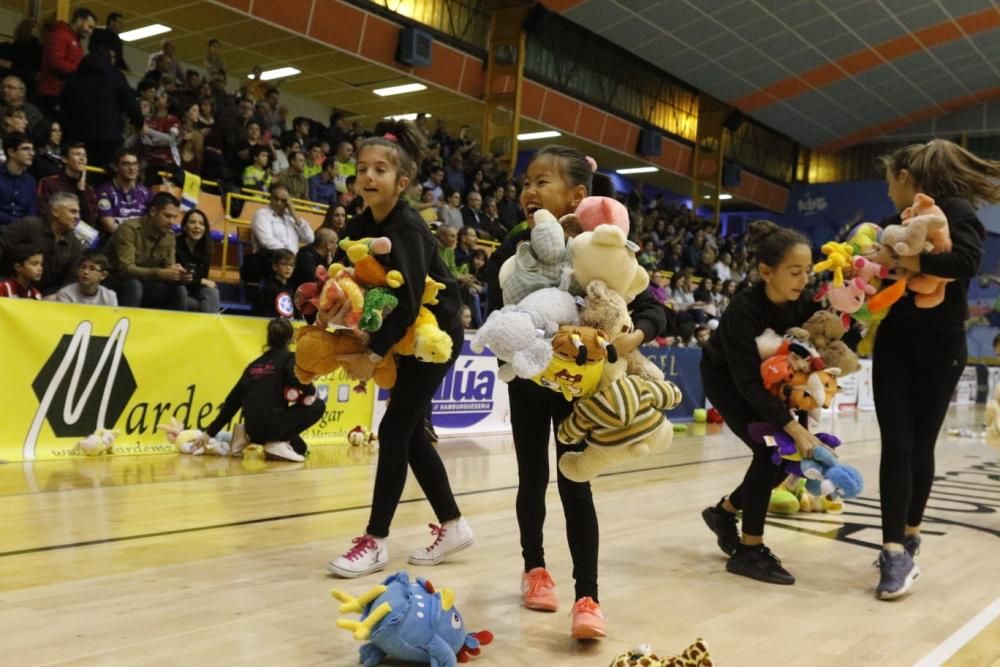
65	230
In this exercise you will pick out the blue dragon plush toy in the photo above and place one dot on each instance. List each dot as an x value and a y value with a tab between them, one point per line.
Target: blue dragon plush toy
410	621
824	475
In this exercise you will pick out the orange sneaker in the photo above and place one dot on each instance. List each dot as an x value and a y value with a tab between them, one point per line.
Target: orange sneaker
539	590
588	621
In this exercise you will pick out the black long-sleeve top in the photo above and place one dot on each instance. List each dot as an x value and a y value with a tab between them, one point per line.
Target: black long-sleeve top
648	314
260	391
732	348
198	261
962	264
414	254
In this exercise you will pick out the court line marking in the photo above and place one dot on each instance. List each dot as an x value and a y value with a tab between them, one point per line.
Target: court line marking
299	515
962	636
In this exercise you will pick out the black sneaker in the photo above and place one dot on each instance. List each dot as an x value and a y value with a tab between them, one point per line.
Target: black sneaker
759	563
723	524
912	545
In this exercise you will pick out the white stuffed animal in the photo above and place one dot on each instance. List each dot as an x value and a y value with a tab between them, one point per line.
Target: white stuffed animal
993	414
100	442
607	254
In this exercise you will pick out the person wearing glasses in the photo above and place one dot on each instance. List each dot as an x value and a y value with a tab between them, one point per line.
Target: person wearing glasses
123	197
17	186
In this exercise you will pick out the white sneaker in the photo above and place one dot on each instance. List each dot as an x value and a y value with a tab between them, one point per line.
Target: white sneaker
281	451
449	539
368	555
239	441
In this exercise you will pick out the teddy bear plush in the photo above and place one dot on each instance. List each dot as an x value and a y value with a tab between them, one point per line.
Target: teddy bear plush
824	331
695	655
924	228
623	419
606	310
537	264
320	352
606	254
98	443
594	211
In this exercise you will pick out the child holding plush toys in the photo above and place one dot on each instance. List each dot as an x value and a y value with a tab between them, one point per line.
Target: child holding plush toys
386	165
731	374
920	352
558	179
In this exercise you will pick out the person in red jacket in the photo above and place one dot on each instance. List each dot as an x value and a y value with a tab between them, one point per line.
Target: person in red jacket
61	55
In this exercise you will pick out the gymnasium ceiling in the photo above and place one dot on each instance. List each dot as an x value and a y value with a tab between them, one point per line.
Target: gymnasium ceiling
828	73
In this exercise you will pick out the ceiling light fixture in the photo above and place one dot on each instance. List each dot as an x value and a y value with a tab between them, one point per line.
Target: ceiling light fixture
722	197
546	134
143	33
406	116
636	170
399	90
279	73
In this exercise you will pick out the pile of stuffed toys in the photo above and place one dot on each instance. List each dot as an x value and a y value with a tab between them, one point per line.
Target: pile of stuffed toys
366	289
870	255
565	305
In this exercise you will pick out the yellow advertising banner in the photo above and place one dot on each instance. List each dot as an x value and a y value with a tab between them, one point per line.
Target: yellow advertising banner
70	369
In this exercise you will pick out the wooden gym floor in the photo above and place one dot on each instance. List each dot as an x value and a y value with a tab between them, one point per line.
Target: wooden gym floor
173	560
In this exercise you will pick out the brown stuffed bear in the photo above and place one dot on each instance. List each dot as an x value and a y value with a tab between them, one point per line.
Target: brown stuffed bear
606	310
823	331
320	352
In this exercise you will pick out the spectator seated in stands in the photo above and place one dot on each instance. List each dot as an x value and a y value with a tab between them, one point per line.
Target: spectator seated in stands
510	208
472	213
48	149
492	227
335	219
17	185
13	94
318	253
27	264
466	316
467	244
274	296
347	166
123	197
194	253
13	120
72	179
314	163
450	214
53	237
144	265
159	151
95	99
61	55
276	226
471	288
434	181
93	271
428	211
257	175
323	186
293	178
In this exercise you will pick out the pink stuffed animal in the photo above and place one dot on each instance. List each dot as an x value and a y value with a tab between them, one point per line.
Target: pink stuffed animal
846	299
867	269
594	211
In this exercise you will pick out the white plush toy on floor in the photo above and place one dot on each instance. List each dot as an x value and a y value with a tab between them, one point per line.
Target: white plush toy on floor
993	414
186	440
100	442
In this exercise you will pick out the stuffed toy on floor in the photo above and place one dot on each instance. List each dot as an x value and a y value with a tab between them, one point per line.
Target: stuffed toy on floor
98	443
410	621
695	655
992	415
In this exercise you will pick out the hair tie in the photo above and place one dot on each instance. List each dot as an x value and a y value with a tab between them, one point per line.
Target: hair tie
390	137
592	162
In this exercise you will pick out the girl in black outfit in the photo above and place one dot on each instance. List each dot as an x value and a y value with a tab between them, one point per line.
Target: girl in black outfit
260	393
730	372
920	353
386	165
194	253
557	179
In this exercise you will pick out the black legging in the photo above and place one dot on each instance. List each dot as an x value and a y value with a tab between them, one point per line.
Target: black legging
288	426
754	492
913	377
533	411
403	441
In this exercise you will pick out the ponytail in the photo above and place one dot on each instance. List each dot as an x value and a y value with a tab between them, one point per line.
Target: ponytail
279	334
404	143
769	243
942	168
